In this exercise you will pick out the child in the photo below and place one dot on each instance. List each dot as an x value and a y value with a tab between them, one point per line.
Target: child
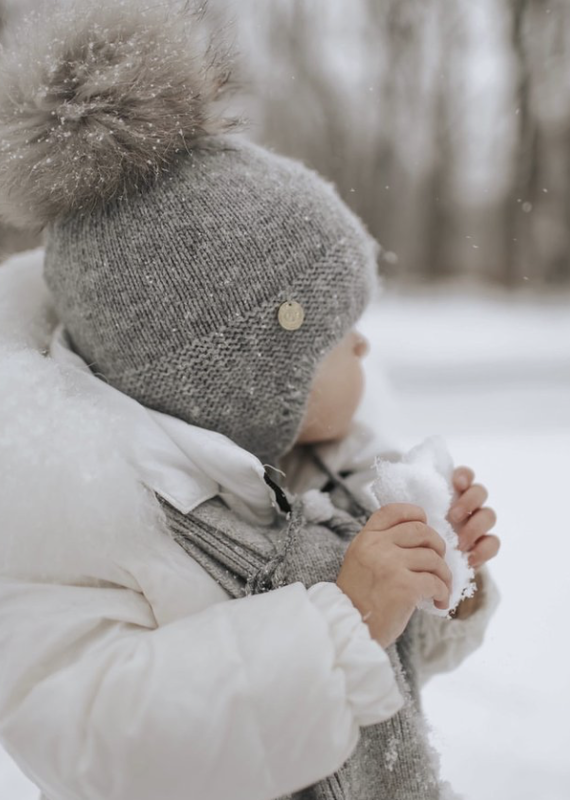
175	621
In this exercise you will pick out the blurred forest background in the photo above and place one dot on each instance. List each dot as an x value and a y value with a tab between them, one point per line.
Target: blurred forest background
444	123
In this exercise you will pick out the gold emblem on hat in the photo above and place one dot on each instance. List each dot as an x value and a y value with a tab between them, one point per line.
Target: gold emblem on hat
291	315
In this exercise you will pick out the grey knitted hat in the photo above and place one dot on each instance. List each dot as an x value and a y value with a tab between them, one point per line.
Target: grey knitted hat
200	274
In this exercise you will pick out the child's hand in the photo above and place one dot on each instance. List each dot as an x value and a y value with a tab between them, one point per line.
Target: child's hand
471	520
394	563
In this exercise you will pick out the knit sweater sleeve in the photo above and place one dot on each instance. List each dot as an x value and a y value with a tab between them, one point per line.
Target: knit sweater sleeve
443	644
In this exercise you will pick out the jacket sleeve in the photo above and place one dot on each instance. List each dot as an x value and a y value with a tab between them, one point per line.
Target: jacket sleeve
248	699
443	644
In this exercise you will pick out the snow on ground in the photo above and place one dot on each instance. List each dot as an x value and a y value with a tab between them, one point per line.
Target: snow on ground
492	374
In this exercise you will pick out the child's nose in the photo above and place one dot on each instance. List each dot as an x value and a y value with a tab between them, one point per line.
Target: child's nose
361	345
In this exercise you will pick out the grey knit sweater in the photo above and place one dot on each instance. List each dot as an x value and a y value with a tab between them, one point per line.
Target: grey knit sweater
393	760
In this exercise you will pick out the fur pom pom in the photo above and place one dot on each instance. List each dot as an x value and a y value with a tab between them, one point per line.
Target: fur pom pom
97	100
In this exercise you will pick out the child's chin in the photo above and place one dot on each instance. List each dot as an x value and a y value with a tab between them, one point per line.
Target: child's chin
339	433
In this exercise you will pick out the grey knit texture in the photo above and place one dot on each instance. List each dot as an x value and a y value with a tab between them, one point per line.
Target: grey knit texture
394	759
172	295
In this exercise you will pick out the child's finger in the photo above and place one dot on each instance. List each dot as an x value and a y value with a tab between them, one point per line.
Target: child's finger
417	534
469	502
463	477
478	524
393	514
486	548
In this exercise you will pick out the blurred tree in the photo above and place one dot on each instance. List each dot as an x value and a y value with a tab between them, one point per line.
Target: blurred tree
545	136
444	125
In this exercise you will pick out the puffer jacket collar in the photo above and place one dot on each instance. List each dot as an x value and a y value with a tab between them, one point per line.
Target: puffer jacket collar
182	463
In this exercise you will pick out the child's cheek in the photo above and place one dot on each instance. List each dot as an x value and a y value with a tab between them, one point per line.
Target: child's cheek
352	385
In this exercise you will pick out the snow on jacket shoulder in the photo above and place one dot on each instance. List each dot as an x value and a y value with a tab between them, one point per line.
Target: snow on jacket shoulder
125	671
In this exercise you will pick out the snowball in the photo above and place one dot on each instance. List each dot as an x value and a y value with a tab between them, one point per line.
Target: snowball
424	477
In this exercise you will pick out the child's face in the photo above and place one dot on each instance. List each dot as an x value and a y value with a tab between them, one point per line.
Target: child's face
336	391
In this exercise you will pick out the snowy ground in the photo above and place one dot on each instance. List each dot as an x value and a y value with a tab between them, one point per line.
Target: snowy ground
492	375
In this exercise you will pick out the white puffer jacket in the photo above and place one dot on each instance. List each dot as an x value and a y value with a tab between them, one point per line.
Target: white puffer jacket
126	672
